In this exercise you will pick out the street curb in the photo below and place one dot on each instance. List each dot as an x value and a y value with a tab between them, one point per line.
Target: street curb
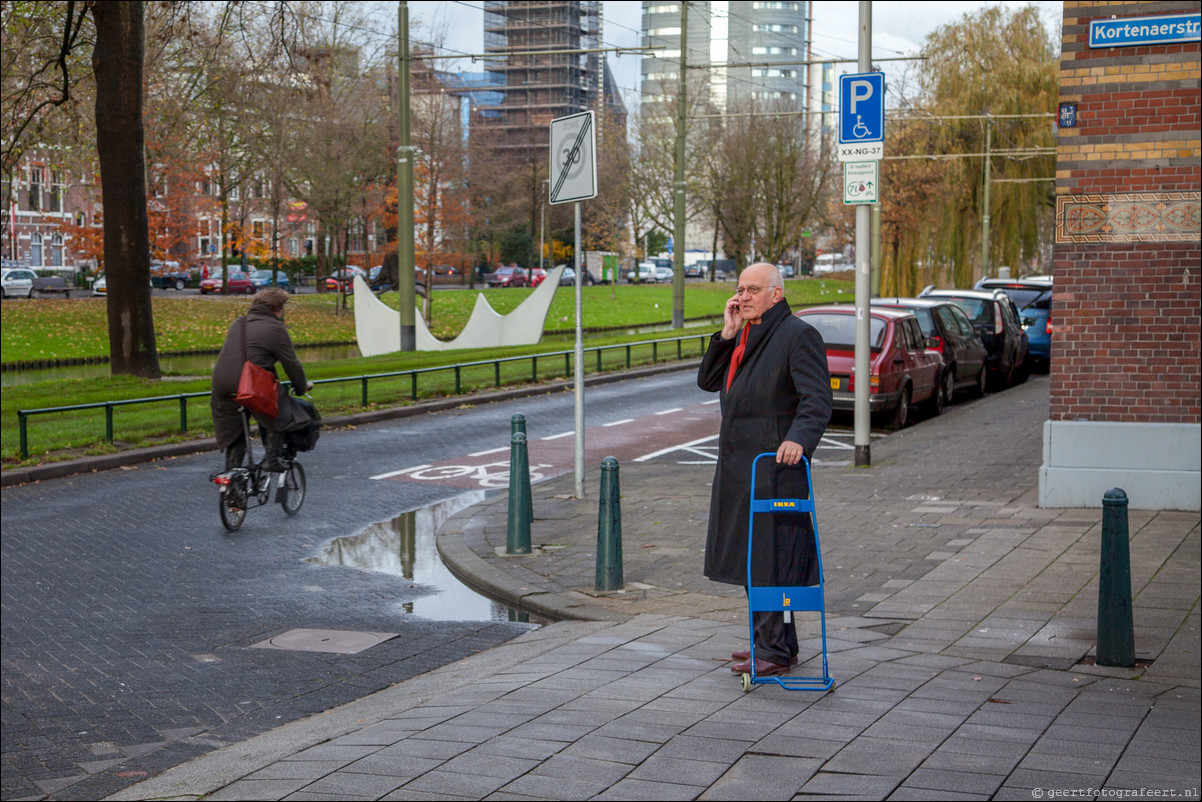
137	456
478	574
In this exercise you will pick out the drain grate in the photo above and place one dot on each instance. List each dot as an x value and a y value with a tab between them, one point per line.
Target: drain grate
330	641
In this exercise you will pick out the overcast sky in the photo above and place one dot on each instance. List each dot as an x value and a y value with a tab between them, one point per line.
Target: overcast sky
898	29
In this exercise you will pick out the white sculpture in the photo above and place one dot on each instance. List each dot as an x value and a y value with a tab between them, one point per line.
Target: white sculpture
378	326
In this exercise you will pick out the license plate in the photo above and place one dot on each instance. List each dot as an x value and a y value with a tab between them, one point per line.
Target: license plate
834	384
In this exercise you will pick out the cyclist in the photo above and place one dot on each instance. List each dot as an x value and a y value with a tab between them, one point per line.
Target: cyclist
267	342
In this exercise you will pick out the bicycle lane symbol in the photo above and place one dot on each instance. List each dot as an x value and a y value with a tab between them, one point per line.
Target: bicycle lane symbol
493	474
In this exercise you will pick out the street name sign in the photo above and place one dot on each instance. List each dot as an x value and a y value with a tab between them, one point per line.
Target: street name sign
861	182
573	158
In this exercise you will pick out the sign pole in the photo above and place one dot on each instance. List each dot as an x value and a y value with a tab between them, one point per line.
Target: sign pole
579	367
573	178
863	370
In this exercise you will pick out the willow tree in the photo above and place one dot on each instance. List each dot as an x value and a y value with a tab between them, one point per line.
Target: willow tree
986	79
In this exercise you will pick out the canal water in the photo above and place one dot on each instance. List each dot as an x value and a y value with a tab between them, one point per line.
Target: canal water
405	547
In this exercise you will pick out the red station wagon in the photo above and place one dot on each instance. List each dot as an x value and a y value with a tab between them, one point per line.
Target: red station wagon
904	371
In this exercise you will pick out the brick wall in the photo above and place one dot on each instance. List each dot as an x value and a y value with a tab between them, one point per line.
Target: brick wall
1127	344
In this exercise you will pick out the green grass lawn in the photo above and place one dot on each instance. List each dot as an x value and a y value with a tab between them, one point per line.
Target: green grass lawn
61	329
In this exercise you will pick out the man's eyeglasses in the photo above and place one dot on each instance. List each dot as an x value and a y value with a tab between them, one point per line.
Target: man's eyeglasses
752	290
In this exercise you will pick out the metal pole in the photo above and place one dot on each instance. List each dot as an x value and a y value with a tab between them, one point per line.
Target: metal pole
875	208
579	367
542	223
678	211
404	192
985	210
863	373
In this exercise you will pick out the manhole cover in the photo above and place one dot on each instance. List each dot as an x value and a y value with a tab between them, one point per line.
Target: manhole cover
331	641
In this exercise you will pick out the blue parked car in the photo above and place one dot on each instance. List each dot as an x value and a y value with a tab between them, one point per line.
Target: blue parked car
262	278
1032	295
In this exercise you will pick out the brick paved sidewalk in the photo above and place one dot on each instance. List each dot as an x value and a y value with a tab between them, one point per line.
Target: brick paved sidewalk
960	632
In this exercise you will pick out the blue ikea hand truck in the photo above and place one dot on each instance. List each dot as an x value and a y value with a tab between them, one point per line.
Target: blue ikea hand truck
805	598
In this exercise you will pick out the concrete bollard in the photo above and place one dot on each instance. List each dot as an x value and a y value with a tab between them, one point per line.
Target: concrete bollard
517	530
609	529
1116	627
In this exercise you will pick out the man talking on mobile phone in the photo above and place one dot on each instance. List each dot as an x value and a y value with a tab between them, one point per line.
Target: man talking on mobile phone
771	373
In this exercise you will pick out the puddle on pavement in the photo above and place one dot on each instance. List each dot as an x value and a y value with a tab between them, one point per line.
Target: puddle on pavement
405	547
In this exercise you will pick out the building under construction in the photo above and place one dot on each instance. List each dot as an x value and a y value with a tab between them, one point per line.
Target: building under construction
542	78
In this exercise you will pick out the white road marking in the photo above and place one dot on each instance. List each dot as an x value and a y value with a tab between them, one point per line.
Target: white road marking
398	473
618	422
490	451
557	436
679	447
669	411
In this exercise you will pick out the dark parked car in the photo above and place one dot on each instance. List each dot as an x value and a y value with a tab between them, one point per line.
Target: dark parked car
995	318
262	278
953	336
904	371
509	277
1032	295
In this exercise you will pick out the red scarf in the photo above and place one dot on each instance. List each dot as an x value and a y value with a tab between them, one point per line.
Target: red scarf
737	356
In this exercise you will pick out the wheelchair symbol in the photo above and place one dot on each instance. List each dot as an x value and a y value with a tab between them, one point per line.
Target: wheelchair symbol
860	130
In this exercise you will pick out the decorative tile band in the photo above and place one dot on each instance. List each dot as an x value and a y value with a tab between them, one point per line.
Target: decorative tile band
1136	217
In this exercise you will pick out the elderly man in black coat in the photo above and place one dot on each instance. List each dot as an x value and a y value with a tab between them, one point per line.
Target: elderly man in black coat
771	371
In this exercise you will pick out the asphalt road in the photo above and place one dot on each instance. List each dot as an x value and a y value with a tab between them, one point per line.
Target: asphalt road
130	615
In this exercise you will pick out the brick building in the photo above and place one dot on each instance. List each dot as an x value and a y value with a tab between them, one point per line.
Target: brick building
1126	385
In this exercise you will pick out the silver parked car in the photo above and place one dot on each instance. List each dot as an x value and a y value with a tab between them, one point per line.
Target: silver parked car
17	282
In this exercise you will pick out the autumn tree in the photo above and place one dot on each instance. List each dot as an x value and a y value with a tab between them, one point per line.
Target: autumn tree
117	61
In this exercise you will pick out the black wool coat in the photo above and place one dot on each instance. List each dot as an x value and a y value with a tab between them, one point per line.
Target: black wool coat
781	391
267	342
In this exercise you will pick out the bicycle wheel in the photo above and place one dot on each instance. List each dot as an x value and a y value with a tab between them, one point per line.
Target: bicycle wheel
292	488
232	515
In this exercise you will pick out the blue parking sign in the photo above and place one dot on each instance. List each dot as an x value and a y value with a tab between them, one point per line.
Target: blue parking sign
862	107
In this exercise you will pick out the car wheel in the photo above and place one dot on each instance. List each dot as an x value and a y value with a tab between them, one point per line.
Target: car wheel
30	296
179	284
901	413
941	394
978	388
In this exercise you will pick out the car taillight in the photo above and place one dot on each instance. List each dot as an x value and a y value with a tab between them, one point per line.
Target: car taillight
998	326
1047	326
936	343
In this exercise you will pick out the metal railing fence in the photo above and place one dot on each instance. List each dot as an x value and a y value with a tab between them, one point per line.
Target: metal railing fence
458	369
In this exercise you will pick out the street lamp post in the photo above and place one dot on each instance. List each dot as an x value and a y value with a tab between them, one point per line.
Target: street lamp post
542	225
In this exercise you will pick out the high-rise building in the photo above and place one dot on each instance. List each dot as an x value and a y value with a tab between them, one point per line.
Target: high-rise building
770	37
539	78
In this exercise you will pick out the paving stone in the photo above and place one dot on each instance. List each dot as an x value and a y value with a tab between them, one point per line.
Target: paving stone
960	782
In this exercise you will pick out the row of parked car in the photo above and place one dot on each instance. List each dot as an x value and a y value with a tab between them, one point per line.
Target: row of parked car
926	350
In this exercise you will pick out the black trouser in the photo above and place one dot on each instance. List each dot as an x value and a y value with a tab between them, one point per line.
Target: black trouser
775	640
235	452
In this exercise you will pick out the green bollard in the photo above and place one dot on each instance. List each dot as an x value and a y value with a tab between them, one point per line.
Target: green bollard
517	531
1116	628
517	426
609	529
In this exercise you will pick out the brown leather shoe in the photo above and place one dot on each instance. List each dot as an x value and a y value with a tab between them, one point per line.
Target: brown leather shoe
763	668
744	655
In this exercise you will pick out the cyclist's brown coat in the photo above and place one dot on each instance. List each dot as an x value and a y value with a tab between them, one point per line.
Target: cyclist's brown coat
267	342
